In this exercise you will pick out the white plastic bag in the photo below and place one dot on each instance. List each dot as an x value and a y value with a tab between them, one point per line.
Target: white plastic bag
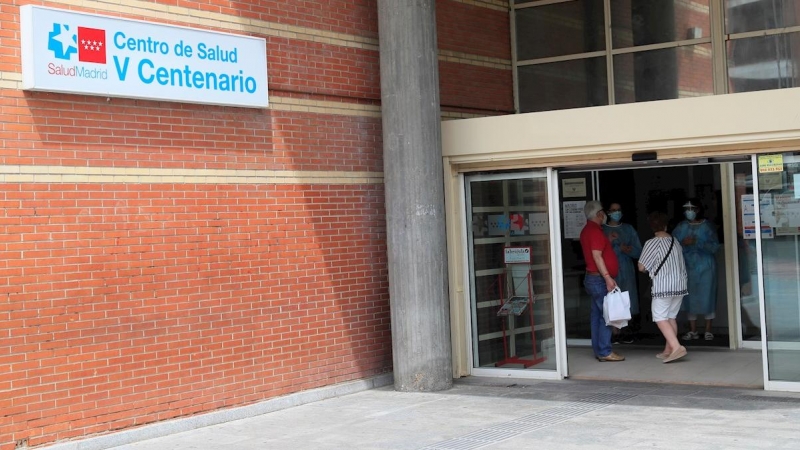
617	308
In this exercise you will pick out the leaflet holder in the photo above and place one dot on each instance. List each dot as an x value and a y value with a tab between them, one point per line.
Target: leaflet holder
516	296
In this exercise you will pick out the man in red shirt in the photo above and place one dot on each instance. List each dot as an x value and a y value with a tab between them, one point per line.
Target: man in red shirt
601	269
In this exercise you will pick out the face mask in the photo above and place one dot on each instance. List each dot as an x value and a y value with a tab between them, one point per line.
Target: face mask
616	216
690	215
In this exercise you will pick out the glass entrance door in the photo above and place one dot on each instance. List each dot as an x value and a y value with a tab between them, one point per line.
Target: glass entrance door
513	319
746	273
778	181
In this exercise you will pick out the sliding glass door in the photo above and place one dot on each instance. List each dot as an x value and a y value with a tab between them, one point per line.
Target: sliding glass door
778	181
513	319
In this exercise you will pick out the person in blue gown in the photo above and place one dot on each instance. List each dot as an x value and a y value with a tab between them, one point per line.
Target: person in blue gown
627	246
700	244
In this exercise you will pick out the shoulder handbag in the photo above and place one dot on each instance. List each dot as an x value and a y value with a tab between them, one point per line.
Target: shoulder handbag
671	244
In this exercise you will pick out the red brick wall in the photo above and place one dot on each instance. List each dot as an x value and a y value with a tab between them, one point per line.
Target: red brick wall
478	31
130	303
473	29
484	89
127	302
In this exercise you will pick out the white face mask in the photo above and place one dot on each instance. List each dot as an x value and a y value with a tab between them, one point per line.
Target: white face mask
690	215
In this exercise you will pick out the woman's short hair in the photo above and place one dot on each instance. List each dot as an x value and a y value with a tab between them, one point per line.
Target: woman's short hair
657	220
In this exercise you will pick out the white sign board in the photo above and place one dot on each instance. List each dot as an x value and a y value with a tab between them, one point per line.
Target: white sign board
517	255
76	53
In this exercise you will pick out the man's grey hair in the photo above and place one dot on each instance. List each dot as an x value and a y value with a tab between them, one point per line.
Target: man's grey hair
591	208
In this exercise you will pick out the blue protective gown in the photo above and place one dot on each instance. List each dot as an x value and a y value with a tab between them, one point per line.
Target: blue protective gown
701	266
626	280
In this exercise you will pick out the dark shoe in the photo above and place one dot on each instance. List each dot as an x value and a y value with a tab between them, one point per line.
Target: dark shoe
611	357
627	339
690	335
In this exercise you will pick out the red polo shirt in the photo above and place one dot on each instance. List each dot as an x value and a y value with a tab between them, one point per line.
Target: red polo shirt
593	238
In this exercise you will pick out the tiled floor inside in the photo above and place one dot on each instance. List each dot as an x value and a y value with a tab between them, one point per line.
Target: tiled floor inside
706	366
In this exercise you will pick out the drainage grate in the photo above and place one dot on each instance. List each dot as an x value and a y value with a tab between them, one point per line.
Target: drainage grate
517	427
569	412
542	418
552	416
607	398
457	444
486	435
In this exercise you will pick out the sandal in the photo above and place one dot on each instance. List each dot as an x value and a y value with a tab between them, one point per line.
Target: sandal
709	336
690	336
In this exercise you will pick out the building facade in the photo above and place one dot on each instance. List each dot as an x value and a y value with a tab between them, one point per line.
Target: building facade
166	259
646	104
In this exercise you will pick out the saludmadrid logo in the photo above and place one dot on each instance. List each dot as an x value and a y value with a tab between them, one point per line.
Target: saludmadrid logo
65	41
139	59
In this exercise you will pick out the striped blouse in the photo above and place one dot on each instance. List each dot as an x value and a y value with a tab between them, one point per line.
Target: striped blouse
671	279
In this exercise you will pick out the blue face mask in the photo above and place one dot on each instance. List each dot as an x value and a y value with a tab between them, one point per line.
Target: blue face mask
615	216
690	215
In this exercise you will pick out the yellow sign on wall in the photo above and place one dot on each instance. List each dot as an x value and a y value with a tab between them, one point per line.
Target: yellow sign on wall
770	163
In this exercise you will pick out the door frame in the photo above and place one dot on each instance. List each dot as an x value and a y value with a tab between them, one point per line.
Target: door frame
555	221
769	385
557	299
729	228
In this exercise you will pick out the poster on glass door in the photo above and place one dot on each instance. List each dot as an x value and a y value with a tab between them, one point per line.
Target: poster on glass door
749	216
574	219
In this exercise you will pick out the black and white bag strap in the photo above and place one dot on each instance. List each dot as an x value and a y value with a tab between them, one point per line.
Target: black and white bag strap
671	244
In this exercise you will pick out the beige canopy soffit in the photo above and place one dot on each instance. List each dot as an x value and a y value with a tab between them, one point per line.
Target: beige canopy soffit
701	127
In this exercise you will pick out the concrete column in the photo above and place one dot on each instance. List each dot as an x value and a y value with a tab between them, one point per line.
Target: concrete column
412	166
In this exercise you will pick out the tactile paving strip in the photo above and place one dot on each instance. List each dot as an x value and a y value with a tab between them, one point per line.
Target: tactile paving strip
551	416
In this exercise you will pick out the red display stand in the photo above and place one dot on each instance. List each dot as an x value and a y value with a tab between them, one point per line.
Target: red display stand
515	305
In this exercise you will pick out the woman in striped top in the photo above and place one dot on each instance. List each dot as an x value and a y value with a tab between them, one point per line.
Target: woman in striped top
662	258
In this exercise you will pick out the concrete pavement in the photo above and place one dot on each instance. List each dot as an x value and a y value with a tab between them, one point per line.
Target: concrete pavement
514	414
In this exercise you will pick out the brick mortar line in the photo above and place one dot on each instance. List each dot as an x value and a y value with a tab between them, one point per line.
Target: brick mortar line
229	23
323	107
450	115
222	21
497	5
12	80
475	60
76	174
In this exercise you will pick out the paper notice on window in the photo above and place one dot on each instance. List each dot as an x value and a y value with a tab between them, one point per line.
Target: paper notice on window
770	181
787	215
796	185
574	219
770	163
538	223
749	216
573	187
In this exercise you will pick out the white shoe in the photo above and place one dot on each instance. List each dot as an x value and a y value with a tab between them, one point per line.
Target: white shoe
709	336
691	335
